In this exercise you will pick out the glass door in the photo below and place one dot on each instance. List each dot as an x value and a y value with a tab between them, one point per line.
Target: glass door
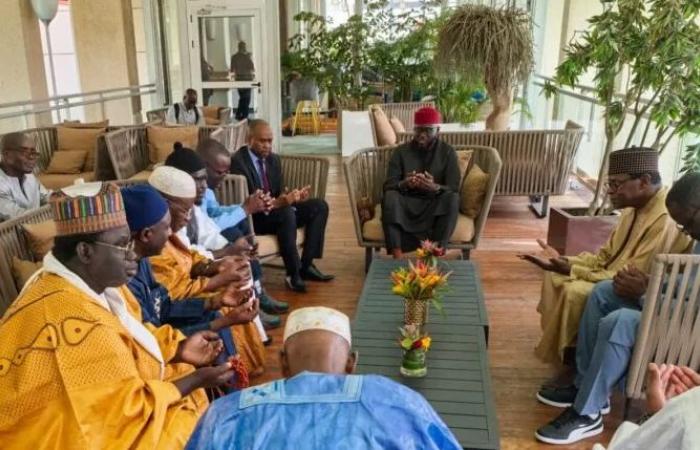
226	58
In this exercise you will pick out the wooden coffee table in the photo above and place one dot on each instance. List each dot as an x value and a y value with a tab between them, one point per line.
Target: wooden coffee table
458	383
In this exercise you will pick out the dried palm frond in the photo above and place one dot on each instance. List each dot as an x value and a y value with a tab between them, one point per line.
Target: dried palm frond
486	43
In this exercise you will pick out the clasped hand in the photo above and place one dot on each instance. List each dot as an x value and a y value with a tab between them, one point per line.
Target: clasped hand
549	259
288	198
258	202
422	181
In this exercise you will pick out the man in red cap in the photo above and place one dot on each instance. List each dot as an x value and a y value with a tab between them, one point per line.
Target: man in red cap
421	191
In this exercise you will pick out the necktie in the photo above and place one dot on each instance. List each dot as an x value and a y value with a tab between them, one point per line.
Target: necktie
263	175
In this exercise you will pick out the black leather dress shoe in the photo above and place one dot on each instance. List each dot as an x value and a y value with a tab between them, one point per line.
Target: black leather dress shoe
295	283
272	306
312	273
270	321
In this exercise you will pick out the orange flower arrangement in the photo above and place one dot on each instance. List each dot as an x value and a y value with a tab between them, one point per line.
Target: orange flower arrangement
420	281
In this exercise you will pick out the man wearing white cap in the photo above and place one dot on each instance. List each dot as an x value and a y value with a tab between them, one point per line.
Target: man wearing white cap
320	404
186	273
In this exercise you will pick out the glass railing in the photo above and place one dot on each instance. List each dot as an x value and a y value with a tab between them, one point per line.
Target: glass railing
114	104
580	106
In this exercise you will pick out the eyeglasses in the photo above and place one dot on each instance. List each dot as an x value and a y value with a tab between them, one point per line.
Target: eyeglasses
614	185
27	152
127	249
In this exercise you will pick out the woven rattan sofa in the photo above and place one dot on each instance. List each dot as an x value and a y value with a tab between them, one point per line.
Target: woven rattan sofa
298	171
365	173
536	163
128	150
213	115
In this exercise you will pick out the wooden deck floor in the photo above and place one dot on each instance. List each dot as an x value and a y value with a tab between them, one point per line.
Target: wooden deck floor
511	287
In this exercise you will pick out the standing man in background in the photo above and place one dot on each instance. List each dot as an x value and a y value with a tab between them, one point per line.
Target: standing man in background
243	69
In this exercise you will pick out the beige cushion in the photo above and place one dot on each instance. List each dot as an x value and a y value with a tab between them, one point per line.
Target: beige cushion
55	181
142	176
473	191
67	161
267	243
78	124
397	125
372	229
161	140
382	128
85	139
40	237
211	112
22	270
464	157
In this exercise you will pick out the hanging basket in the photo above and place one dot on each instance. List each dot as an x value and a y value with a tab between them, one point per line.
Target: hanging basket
415	311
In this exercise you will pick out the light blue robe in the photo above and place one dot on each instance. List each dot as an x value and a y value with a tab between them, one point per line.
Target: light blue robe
313	411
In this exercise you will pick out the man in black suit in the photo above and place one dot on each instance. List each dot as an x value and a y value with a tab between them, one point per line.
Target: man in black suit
288	211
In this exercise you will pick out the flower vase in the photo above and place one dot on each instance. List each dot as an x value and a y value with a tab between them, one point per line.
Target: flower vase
415	311
413	363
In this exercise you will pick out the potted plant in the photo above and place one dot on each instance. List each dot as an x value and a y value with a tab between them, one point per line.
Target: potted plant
415	345
420	285
491	45
650	48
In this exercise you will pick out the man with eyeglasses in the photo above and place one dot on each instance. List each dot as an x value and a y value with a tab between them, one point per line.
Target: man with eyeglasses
187	273
78	368
608	331
421	191
205	236
644	229
20	190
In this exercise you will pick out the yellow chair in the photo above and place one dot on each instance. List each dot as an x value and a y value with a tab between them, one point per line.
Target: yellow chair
307	118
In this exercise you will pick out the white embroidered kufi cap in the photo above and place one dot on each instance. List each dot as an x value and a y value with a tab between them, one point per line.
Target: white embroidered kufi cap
318	318
173	182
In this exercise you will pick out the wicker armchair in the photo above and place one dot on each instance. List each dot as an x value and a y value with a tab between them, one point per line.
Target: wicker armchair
14	243
298	171
536	163
365	173
232	136
46	139
668	332
128	151
158	115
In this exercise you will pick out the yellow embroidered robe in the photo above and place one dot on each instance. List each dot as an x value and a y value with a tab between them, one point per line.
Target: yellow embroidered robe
172	269
72	377
634	241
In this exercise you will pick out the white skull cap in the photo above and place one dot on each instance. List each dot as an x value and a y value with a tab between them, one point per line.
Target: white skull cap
318	318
